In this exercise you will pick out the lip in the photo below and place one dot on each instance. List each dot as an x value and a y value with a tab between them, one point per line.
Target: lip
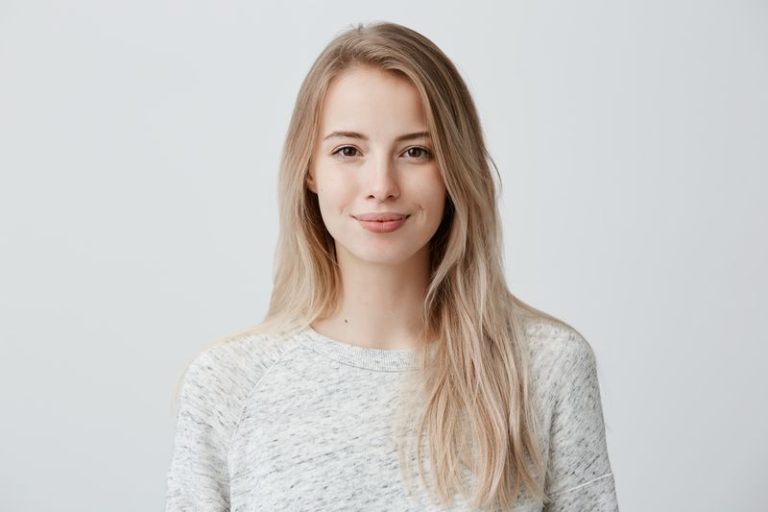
382	226
381	216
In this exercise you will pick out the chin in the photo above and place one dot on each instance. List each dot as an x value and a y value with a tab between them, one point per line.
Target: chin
379	256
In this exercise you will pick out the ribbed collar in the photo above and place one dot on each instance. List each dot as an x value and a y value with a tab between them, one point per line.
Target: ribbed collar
356	355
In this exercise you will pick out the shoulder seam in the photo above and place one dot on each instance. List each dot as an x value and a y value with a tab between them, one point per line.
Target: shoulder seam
572	337
286	350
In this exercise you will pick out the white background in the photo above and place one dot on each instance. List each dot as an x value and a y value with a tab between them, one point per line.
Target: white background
139	144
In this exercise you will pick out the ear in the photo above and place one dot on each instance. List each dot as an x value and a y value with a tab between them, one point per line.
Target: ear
310	181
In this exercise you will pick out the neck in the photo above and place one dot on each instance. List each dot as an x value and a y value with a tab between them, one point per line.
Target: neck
381	304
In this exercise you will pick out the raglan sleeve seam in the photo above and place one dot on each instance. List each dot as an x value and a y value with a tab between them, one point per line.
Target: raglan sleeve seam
578	458
572	339
244	405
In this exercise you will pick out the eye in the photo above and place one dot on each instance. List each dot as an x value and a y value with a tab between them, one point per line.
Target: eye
345	151
419	153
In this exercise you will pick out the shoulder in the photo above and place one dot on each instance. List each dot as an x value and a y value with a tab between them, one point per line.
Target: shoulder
551	340
220	377
241	352
213	391
560	356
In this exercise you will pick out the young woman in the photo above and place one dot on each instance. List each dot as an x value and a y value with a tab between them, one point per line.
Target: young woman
392	343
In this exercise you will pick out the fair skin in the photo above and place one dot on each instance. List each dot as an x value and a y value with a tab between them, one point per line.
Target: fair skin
384	275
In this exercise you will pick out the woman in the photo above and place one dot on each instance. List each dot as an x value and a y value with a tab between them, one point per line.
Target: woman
392	342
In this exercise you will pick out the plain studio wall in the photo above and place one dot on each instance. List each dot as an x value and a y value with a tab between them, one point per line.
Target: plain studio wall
139	144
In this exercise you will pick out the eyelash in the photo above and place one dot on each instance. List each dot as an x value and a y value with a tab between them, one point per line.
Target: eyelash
427	153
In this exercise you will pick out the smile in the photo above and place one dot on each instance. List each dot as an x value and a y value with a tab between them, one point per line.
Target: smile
382	226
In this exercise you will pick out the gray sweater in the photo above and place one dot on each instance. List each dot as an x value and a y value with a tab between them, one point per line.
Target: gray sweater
303	424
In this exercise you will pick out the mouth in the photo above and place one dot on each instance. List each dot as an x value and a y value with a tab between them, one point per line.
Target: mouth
384	217
383	226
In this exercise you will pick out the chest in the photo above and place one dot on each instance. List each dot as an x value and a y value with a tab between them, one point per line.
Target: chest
323	441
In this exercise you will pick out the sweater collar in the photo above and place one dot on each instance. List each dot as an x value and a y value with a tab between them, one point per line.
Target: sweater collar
356	355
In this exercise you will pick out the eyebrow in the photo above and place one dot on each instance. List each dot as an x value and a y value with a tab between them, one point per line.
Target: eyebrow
357	135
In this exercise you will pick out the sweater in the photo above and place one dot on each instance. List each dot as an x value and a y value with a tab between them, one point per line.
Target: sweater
303	423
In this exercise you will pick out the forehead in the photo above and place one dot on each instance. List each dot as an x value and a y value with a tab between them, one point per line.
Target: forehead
372	101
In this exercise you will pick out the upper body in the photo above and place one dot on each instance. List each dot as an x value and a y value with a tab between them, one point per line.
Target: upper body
390	235
304	423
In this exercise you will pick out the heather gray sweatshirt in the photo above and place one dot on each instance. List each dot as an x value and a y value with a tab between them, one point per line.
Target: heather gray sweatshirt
304	424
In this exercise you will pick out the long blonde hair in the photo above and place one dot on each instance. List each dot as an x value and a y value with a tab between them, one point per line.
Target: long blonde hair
476	402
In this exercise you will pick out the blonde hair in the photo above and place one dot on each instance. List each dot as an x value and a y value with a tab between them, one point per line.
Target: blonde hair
475	401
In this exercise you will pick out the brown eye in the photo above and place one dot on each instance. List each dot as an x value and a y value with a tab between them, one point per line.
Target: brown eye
419	153
346	151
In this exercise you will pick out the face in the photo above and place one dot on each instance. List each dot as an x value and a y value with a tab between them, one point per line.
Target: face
373	155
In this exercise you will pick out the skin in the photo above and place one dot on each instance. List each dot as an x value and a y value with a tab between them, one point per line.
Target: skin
384	275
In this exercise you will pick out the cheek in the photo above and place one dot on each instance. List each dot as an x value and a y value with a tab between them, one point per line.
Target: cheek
335	194
434	189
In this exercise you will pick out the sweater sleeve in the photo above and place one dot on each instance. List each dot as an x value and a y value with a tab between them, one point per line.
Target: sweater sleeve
198	478
579	475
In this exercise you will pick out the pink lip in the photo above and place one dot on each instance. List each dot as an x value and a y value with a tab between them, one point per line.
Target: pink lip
380	216
385	226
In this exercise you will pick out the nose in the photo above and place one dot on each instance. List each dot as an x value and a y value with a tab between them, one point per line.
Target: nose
382	182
